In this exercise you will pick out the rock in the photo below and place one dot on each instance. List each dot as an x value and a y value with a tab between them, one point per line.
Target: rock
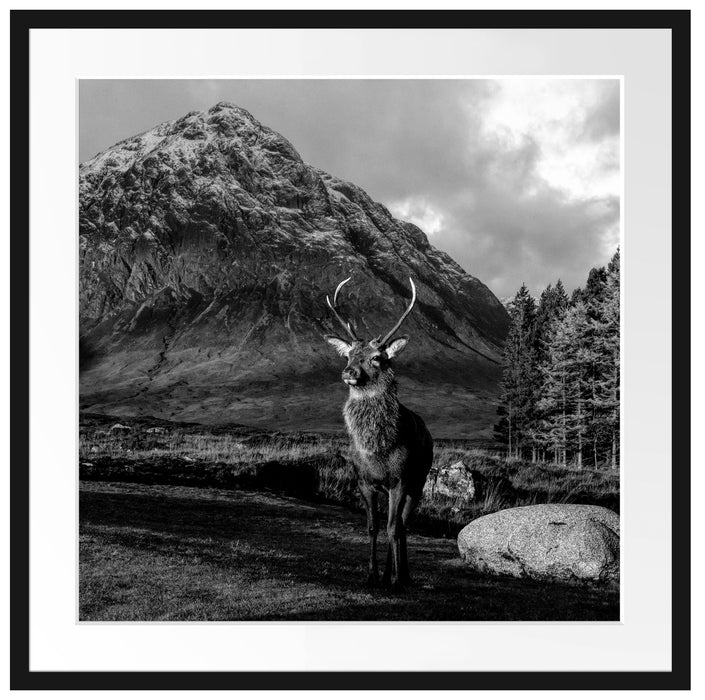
549	541
207	248
454	481
155	431
119	428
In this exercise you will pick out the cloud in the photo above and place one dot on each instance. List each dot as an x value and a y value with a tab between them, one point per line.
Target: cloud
603	120
534	193
421	213
518	180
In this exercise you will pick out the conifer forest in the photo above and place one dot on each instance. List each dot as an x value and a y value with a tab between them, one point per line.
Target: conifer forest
560	386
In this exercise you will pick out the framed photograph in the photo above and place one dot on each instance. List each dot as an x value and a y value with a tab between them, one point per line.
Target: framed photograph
329	354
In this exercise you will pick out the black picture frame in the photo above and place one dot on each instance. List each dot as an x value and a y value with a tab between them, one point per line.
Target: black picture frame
21	677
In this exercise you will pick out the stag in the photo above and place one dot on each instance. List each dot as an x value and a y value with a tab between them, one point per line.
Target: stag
391	447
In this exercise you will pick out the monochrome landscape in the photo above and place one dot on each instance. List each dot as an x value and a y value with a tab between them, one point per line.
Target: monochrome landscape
217	477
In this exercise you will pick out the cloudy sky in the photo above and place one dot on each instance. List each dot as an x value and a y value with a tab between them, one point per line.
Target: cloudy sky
518	180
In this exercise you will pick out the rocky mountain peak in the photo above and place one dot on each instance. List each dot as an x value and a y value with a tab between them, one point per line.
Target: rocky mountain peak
207	248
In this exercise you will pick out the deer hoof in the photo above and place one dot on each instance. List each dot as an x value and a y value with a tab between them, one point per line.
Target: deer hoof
373	581
397	587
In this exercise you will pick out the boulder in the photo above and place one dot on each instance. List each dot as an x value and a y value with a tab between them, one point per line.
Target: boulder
120	428
549	541
454	481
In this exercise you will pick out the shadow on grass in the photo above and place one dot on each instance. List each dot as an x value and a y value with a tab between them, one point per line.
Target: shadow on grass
151	552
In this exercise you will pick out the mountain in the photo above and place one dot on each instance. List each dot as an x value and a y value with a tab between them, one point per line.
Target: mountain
207	247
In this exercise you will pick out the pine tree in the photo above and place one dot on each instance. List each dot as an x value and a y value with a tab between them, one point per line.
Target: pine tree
552	305
595	286
594	291
582	378
561	373
501	428
551	430
606	347
564	392
520	373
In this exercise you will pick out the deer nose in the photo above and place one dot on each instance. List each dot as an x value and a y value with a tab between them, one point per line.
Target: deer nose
351	373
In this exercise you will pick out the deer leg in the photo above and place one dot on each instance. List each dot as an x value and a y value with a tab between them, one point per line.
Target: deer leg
369	496
387	575
395	529
409	505
404	577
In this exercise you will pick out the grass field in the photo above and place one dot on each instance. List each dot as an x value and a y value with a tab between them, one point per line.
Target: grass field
164	552
186	522
315	467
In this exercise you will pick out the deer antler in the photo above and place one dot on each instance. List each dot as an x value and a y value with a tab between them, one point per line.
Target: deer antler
403	316
345	324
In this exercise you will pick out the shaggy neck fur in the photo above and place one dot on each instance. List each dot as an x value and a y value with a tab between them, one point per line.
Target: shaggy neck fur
372	415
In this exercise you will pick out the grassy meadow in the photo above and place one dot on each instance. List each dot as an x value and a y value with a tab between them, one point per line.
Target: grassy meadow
184	521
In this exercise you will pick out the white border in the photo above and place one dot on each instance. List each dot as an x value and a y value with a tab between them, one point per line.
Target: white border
642	642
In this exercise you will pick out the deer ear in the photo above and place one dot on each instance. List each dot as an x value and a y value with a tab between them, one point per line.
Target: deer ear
341	347
396	346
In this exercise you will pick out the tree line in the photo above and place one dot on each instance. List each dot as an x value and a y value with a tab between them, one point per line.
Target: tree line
560	384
